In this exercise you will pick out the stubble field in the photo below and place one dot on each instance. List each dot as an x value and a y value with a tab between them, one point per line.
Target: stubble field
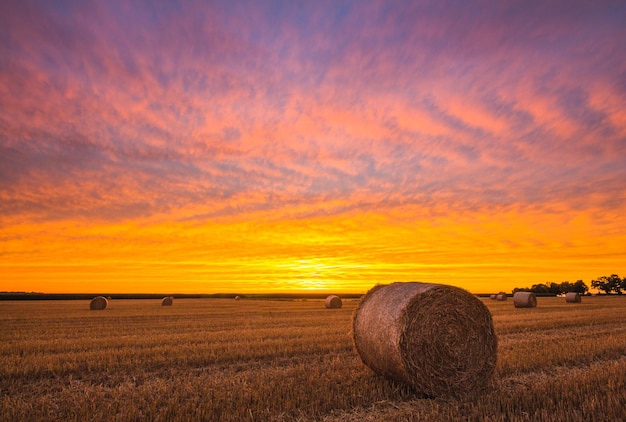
263	360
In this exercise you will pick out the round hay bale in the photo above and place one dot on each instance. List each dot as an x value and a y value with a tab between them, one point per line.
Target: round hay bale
525	300
501	297
493	297
573	297
438	339
333	302
167	301
237	298
98	303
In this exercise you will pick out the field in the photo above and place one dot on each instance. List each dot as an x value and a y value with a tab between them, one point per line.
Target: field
264	360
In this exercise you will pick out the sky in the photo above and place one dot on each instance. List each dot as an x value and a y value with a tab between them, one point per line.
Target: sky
320	146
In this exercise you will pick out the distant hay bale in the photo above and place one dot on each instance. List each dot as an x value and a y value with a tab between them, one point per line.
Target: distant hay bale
98	303
237	298
501	297
493	297
525	300
573	297
167	301
438	339
333	302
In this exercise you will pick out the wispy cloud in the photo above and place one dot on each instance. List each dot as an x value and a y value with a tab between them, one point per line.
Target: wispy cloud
195	112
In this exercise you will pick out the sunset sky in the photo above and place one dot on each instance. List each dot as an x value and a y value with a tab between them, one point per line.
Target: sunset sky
279	146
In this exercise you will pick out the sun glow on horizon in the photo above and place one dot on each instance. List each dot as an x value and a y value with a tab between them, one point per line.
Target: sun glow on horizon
344	253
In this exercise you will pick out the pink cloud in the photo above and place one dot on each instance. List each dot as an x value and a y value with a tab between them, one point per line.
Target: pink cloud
131	112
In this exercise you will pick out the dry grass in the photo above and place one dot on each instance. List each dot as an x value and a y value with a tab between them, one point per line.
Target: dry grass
280	360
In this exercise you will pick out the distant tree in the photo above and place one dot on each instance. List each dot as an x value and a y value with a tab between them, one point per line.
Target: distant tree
617	284
566	287
608	284
602	284
554	288
539	288
579	287
623	284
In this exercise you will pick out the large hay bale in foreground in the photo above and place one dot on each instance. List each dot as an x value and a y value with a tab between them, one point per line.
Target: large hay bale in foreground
98	303
333	302
439	339
572	297
525	300
167	301
501	297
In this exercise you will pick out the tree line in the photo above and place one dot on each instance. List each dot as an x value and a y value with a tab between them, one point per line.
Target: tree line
610	284
606	284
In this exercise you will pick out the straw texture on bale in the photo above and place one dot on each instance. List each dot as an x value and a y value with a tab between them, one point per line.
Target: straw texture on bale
501	296
167	301
98	303
572	297
438	339
525	300
333	302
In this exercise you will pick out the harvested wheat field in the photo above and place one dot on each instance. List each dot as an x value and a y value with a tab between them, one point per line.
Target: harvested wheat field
264	360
